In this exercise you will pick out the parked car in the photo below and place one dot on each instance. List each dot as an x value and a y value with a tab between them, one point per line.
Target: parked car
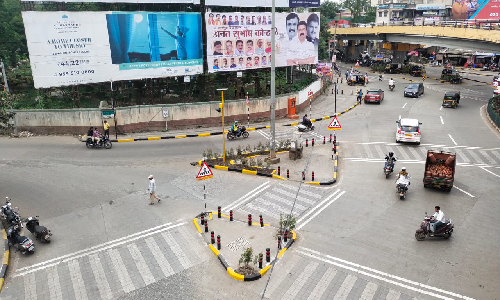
374	96
408	130
414	90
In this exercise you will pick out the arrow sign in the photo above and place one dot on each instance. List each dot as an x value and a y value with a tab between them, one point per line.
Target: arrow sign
334	124
204	172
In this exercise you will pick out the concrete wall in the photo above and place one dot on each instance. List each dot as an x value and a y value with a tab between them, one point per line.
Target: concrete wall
150	117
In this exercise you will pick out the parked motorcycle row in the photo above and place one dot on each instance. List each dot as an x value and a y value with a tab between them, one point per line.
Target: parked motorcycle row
15	224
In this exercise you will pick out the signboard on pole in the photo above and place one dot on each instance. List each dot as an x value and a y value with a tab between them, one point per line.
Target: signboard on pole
246	101
335	124
204	172
310	94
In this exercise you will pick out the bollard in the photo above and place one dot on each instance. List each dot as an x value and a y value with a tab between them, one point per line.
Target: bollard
312	175
202	218
268	255
330	138
279	242
335	139
287	173
307	143
312	143
260	262
285	237
303	175
337	92
341	79
218	242
261	221
230	215
212	237
351	92
337	80
279	170
335	149
206	226
219	212
342	92
324	140
249	219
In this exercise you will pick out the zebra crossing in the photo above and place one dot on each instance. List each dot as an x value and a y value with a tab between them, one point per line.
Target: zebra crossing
308	274
107	271
287	133
466	156
273	199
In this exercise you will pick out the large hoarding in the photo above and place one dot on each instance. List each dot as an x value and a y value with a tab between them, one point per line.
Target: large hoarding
129	1
242	41
263	3
476	9
69	48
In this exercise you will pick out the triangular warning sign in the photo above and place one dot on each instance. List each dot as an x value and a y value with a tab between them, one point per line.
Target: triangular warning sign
357	64
335	124
204	172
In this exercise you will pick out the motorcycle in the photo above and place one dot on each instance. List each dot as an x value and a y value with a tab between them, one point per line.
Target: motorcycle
40	232
388	168
380	77
21	243
10	215
391	87
103	142
425	229
243	133
402	186
305	128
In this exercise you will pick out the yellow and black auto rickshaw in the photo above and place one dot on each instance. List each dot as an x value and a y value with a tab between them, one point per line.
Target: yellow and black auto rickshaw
451	99
356	79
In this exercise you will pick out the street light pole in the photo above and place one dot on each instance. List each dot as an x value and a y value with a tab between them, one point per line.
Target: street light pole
335	47
272	152
223	138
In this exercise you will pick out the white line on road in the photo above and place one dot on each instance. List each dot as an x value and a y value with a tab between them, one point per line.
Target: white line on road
320	210
490	172
318	205
441	118
441	108
378	275
250	194
452	139
468	194
404	105
263	134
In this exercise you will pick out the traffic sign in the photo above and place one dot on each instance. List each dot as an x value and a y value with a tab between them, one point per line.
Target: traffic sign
204	172
310	93
357	64
246	101
334	124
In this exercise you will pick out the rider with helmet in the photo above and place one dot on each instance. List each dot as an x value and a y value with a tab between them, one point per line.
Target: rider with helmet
403	172
235	129
391	82
391	159
306	121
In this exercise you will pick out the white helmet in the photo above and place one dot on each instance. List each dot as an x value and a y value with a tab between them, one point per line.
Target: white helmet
403	169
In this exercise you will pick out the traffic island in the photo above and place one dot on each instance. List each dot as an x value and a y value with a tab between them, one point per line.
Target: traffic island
247	247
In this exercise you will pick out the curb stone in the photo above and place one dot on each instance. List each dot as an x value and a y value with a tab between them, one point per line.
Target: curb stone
330	182
230	270
5	261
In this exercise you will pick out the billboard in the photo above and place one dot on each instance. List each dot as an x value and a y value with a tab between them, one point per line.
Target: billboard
69	48
128	1
476	9
242	41
263	3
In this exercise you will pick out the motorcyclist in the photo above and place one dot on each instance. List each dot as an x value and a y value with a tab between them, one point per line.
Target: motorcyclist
306	121
391	82
403	176
96	137
235	129
403	172
90	132
438	219
390	158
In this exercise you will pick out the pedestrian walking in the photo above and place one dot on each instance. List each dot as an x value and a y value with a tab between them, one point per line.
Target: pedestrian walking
152	190
360	96
346	74
106	129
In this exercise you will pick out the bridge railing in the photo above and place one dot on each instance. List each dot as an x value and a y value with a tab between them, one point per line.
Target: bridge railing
472	24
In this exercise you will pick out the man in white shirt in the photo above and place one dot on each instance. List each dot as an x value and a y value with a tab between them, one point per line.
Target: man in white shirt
438	219
152	190
391	82
302	50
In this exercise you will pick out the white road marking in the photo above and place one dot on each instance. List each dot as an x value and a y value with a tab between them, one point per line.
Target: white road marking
30	287
468	194
100	277
414	161
320	210
490	172
95	249
54	284
393	295
121	271
490	159
174	246
276	281
404	105
318	205
345	288
381	275
300	281
472	148
441	118
371	143
244	198
77	280
369	291
263	134
441	108
141	264
322	284
452	139
159	257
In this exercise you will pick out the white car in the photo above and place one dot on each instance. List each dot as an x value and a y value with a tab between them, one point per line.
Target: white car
408	130
496	92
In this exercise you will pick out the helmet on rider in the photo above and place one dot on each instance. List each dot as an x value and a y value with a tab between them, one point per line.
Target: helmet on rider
391	154
403	169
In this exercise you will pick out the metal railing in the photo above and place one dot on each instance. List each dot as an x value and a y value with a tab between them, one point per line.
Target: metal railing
472	24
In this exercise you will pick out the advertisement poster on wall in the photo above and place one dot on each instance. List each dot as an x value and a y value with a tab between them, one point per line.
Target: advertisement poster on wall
129	1
263	3
70	48
242	41
476	9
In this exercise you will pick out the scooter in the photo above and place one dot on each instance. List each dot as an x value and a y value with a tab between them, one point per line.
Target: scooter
304	128
103	142
21	243
11	215
40	232
391	87
402	186
388	169
425	229
243	133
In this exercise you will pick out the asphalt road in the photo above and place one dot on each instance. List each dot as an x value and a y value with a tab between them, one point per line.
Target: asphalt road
356	239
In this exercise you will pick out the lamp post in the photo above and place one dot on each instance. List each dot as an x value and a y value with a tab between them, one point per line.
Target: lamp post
272	152
223	138
335	47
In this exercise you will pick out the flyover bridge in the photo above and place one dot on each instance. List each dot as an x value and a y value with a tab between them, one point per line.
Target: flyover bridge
453	35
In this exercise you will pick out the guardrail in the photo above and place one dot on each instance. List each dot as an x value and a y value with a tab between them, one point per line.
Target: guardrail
472	24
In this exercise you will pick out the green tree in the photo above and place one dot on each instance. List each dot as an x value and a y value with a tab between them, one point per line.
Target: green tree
12	38
357	7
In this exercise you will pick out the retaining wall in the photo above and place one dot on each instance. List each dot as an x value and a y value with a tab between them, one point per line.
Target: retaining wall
493	116
150	117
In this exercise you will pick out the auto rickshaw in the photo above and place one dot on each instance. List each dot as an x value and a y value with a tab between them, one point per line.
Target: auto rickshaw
451	99
356	79
393	69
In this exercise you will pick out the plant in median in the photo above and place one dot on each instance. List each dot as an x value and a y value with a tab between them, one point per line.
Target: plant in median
259	162
268	164
239	150
204	154
257	258
248	148
216	155
260	146
287	223
210	154
246	259
252	162
231	153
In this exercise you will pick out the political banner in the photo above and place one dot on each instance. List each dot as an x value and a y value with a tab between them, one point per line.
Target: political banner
476	9
242	41
263	3
70	48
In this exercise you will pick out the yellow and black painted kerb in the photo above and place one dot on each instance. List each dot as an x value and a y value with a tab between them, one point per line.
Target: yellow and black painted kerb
326	117
330	182
226	266
181	136
244	171
5	262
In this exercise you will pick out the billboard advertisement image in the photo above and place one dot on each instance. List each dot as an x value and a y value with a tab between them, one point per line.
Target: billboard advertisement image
242	41
263	3
476	9
69	48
